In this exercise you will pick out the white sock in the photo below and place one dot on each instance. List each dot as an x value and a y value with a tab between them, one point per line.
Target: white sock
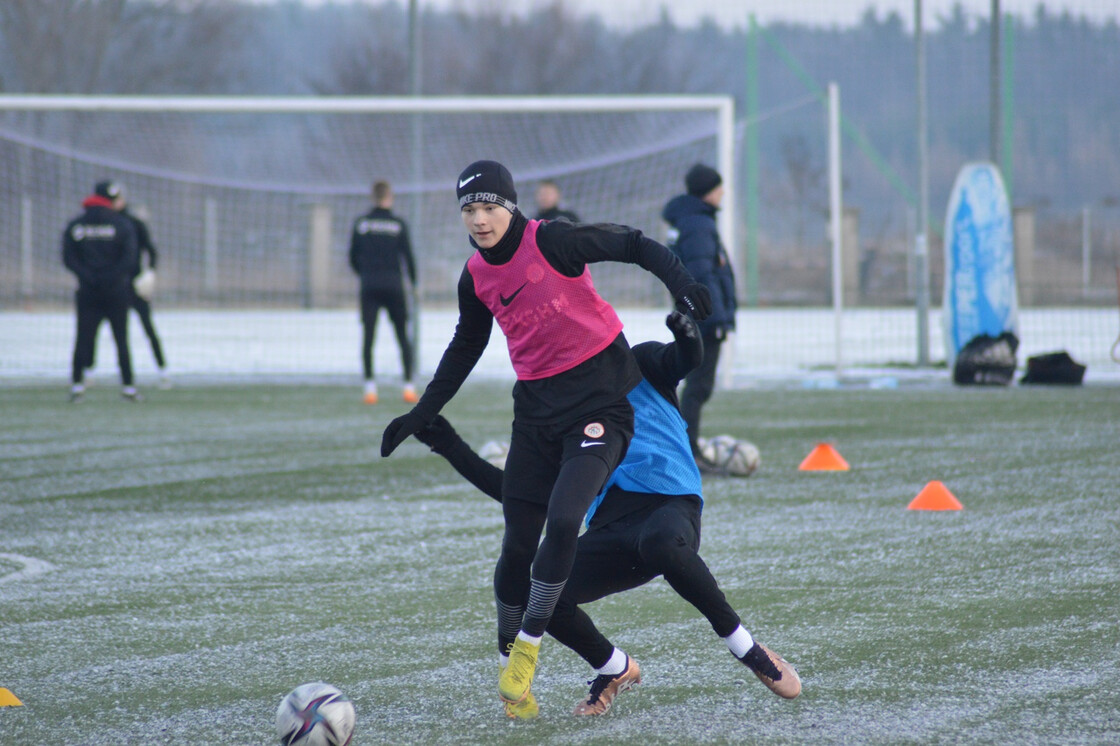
528	638
128	390
371	387
77	388
739	642
615	666
503	660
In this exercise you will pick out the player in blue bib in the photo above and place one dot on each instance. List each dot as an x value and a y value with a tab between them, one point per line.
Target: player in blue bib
645	523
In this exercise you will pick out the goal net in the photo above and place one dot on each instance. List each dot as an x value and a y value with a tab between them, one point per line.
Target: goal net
251	200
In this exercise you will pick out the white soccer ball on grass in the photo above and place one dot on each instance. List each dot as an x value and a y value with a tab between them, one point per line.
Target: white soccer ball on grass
315	714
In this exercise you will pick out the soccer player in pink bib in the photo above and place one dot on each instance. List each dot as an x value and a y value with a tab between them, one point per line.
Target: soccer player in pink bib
572	422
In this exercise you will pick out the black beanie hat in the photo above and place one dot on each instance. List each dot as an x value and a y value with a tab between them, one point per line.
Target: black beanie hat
107	189
701	179
486	181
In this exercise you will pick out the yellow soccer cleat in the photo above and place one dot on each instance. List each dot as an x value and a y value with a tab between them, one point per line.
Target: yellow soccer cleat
526	709
517	677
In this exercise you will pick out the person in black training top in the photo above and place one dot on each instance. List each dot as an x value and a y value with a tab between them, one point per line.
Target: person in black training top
695	239
99	247
548	203
572	421
644	523
379	253
141	296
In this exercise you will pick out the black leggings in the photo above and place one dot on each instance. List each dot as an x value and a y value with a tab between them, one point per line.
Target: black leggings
144	310
579	481
629	552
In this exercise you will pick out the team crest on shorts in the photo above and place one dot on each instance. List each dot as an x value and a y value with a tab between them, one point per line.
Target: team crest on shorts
594	430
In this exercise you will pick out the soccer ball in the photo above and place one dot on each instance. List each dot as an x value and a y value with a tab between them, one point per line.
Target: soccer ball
315	714
739	458
495	451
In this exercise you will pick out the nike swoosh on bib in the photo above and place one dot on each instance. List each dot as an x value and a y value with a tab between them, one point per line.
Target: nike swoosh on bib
468	180
506	301
587	443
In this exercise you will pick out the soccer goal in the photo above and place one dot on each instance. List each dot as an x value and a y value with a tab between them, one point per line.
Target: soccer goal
251	199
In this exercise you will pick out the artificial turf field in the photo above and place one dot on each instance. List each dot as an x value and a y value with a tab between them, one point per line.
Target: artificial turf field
215	546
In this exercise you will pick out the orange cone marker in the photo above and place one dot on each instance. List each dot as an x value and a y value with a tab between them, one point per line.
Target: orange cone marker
824	458
935	496
7	699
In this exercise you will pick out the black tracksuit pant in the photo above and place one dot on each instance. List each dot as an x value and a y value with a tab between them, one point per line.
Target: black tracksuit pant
94	305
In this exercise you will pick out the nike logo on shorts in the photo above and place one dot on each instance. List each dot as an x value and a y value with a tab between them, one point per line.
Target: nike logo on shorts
588	443
468	180
506	301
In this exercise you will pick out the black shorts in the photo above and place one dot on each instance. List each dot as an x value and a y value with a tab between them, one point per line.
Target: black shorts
536	452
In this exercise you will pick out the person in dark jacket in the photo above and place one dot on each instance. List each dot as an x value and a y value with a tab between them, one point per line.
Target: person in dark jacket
548	203
99	247
695	239
380	252
141	296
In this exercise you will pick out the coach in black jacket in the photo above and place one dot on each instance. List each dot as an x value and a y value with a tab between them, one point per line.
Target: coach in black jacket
380	252
99	247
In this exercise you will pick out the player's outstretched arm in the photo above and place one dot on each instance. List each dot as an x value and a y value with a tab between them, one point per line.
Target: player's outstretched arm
688	346
441	437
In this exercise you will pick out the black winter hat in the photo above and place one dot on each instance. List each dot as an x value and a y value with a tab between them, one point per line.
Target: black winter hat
486	181
701	179
108	189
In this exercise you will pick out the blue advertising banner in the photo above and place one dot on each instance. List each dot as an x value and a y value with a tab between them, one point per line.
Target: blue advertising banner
980	295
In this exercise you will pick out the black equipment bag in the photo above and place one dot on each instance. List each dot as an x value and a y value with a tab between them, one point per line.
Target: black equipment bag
987	361
1054	367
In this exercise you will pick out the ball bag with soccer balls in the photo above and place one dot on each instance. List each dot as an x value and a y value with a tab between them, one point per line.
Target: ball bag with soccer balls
739	458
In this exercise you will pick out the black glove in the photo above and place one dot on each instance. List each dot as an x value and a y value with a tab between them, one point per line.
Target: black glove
696	299
438	435
682	325
399	429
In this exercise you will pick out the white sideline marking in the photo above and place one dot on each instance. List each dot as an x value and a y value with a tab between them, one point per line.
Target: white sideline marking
31	567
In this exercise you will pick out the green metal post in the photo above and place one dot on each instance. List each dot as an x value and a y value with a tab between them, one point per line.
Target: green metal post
752	164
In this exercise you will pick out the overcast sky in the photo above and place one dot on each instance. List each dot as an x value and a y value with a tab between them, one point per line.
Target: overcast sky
821	12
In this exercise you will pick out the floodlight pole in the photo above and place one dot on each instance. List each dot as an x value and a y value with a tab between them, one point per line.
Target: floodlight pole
921	244
995	86
836	209
416	213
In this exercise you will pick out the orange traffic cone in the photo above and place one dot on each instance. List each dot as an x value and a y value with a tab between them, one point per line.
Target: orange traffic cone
7	699
935	496
824	458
